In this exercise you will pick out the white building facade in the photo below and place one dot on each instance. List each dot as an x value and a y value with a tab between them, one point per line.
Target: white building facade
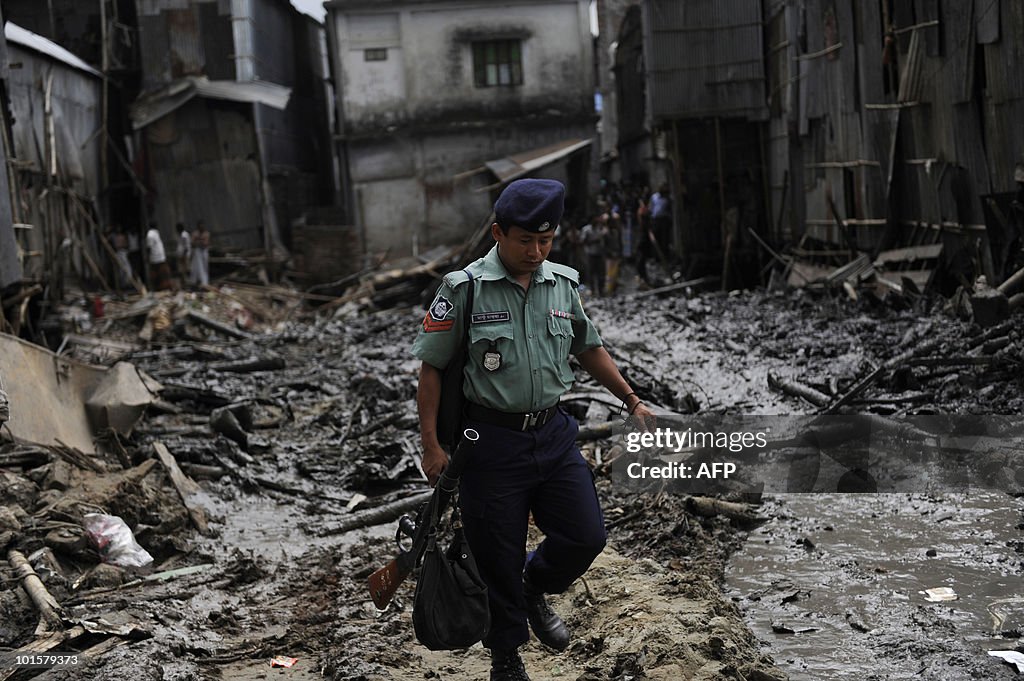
433	97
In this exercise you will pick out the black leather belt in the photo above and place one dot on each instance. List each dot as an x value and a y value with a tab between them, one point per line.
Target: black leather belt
528	421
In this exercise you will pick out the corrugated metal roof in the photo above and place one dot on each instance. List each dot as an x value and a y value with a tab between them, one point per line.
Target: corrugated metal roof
509	168
20	36
152	107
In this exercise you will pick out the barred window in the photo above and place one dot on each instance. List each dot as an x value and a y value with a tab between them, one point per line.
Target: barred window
497	63
375	54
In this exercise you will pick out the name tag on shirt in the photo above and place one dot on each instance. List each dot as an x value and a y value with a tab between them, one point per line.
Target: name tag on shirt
488	317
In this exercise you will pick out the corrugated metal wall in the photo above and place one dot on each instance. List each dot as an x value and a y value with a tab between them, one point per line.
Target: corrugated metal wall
182	38
57	162
704	57
203	161
903	115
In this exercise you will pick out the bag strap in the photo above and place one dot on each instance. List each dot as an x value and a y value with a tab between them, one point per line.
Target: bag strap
469	310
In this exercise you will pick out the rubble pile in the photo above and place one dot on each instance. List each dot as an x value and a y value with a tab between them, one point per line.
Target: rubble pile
270	437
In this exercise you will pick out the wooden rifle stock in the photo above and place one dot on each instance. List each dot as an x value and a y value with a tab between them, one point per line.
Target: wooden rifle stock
385	582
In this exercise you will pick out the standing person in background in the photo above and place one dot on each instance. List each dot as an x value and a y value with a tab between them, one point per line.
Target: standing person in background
119	240
593	236
644	238
661	217
184	253
573	245
200	255
612	251
159	270
135	251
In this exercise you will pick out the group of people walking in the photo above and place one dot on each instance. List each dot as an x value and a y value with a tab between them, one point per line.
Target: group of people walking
191	264
630	225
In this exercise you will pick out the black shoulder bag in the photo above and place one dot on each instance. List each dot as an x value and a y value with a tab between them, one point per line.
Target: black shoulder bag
453	400
450	609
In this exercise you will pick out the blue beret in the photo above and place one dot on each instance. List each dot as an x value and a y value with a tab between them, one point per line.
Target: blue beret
534	205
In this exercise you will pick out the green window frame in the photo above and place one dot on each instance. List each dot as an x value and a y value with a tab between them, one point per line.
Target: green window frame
497	63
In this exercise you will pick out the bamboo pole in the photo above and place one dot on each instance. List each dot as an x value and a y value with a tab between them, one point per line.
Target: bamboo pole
48	607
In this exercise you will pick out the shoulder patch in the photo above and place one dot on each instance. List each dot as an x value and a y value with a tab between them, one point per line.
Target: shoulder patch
565	271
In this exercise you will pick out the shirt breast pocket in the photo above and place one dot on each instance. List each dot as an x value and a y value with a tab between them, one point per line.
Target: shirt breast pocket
560	330
491	337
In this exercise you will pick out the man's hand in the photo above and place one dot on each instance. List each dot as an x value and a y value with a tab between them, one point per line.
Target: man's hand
642	418
434	462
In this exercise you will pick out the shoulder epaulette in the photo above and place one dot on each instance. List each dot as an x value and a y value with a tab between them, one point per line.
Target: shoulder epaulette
565	271
456	278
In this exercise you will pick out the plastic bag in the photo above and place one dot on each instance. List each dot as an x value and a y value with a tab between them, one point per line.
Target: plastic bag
115	541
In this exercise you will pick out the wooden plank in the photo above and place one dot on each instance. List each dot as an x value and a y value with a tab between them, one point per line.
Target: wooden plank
185	485
910	254
803	273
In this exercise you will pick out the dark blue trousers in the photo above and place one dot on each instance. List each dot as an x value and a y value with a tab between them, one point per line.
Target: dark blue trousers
511	474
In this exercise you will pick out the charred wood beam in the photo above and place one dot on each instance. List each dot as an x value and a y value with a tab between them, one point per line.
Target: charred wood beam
29	458
709	507
676	287
1014	282
797	389
853	392
218	326
905	356
995	332
598	432
22	295
952	361
376	516
174	391
251	365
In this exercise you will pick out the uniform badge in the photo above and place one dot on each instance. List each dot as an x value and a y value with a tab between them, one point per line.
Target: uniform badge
435	317
441	308
492	360
545	226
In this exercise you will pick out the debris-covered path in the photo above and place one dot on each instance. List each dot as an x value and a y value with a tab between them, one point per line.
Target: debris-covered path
293	432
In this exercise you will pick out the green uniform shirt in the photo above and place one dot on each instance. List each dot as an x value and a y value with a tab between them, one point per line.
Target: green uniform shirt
520	341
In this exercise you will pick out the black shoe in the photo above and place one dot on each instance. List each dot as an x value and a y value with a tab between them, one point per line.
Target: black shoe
547	626
507	666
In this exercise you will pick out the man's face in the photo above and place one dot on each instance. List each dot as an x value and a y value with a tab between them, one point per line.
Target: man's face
520	250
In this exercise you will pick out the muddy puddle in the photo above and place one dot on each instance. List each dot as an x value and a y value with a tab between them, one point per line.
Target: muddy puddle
834	584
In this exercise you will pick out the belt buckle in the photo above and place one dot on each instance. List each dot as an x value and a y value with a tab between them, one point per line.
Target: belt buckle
530	420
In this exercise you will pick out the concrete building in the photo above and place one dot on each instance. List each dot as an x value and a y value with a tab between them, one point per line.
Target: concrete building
441	102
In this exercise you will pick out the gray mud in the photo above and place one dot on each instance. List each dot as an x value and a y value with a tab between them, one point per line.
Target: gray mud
835	584
653	607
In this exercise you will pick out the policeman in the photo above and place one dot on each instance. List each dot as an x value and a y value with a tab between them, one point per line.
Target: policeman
526	320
